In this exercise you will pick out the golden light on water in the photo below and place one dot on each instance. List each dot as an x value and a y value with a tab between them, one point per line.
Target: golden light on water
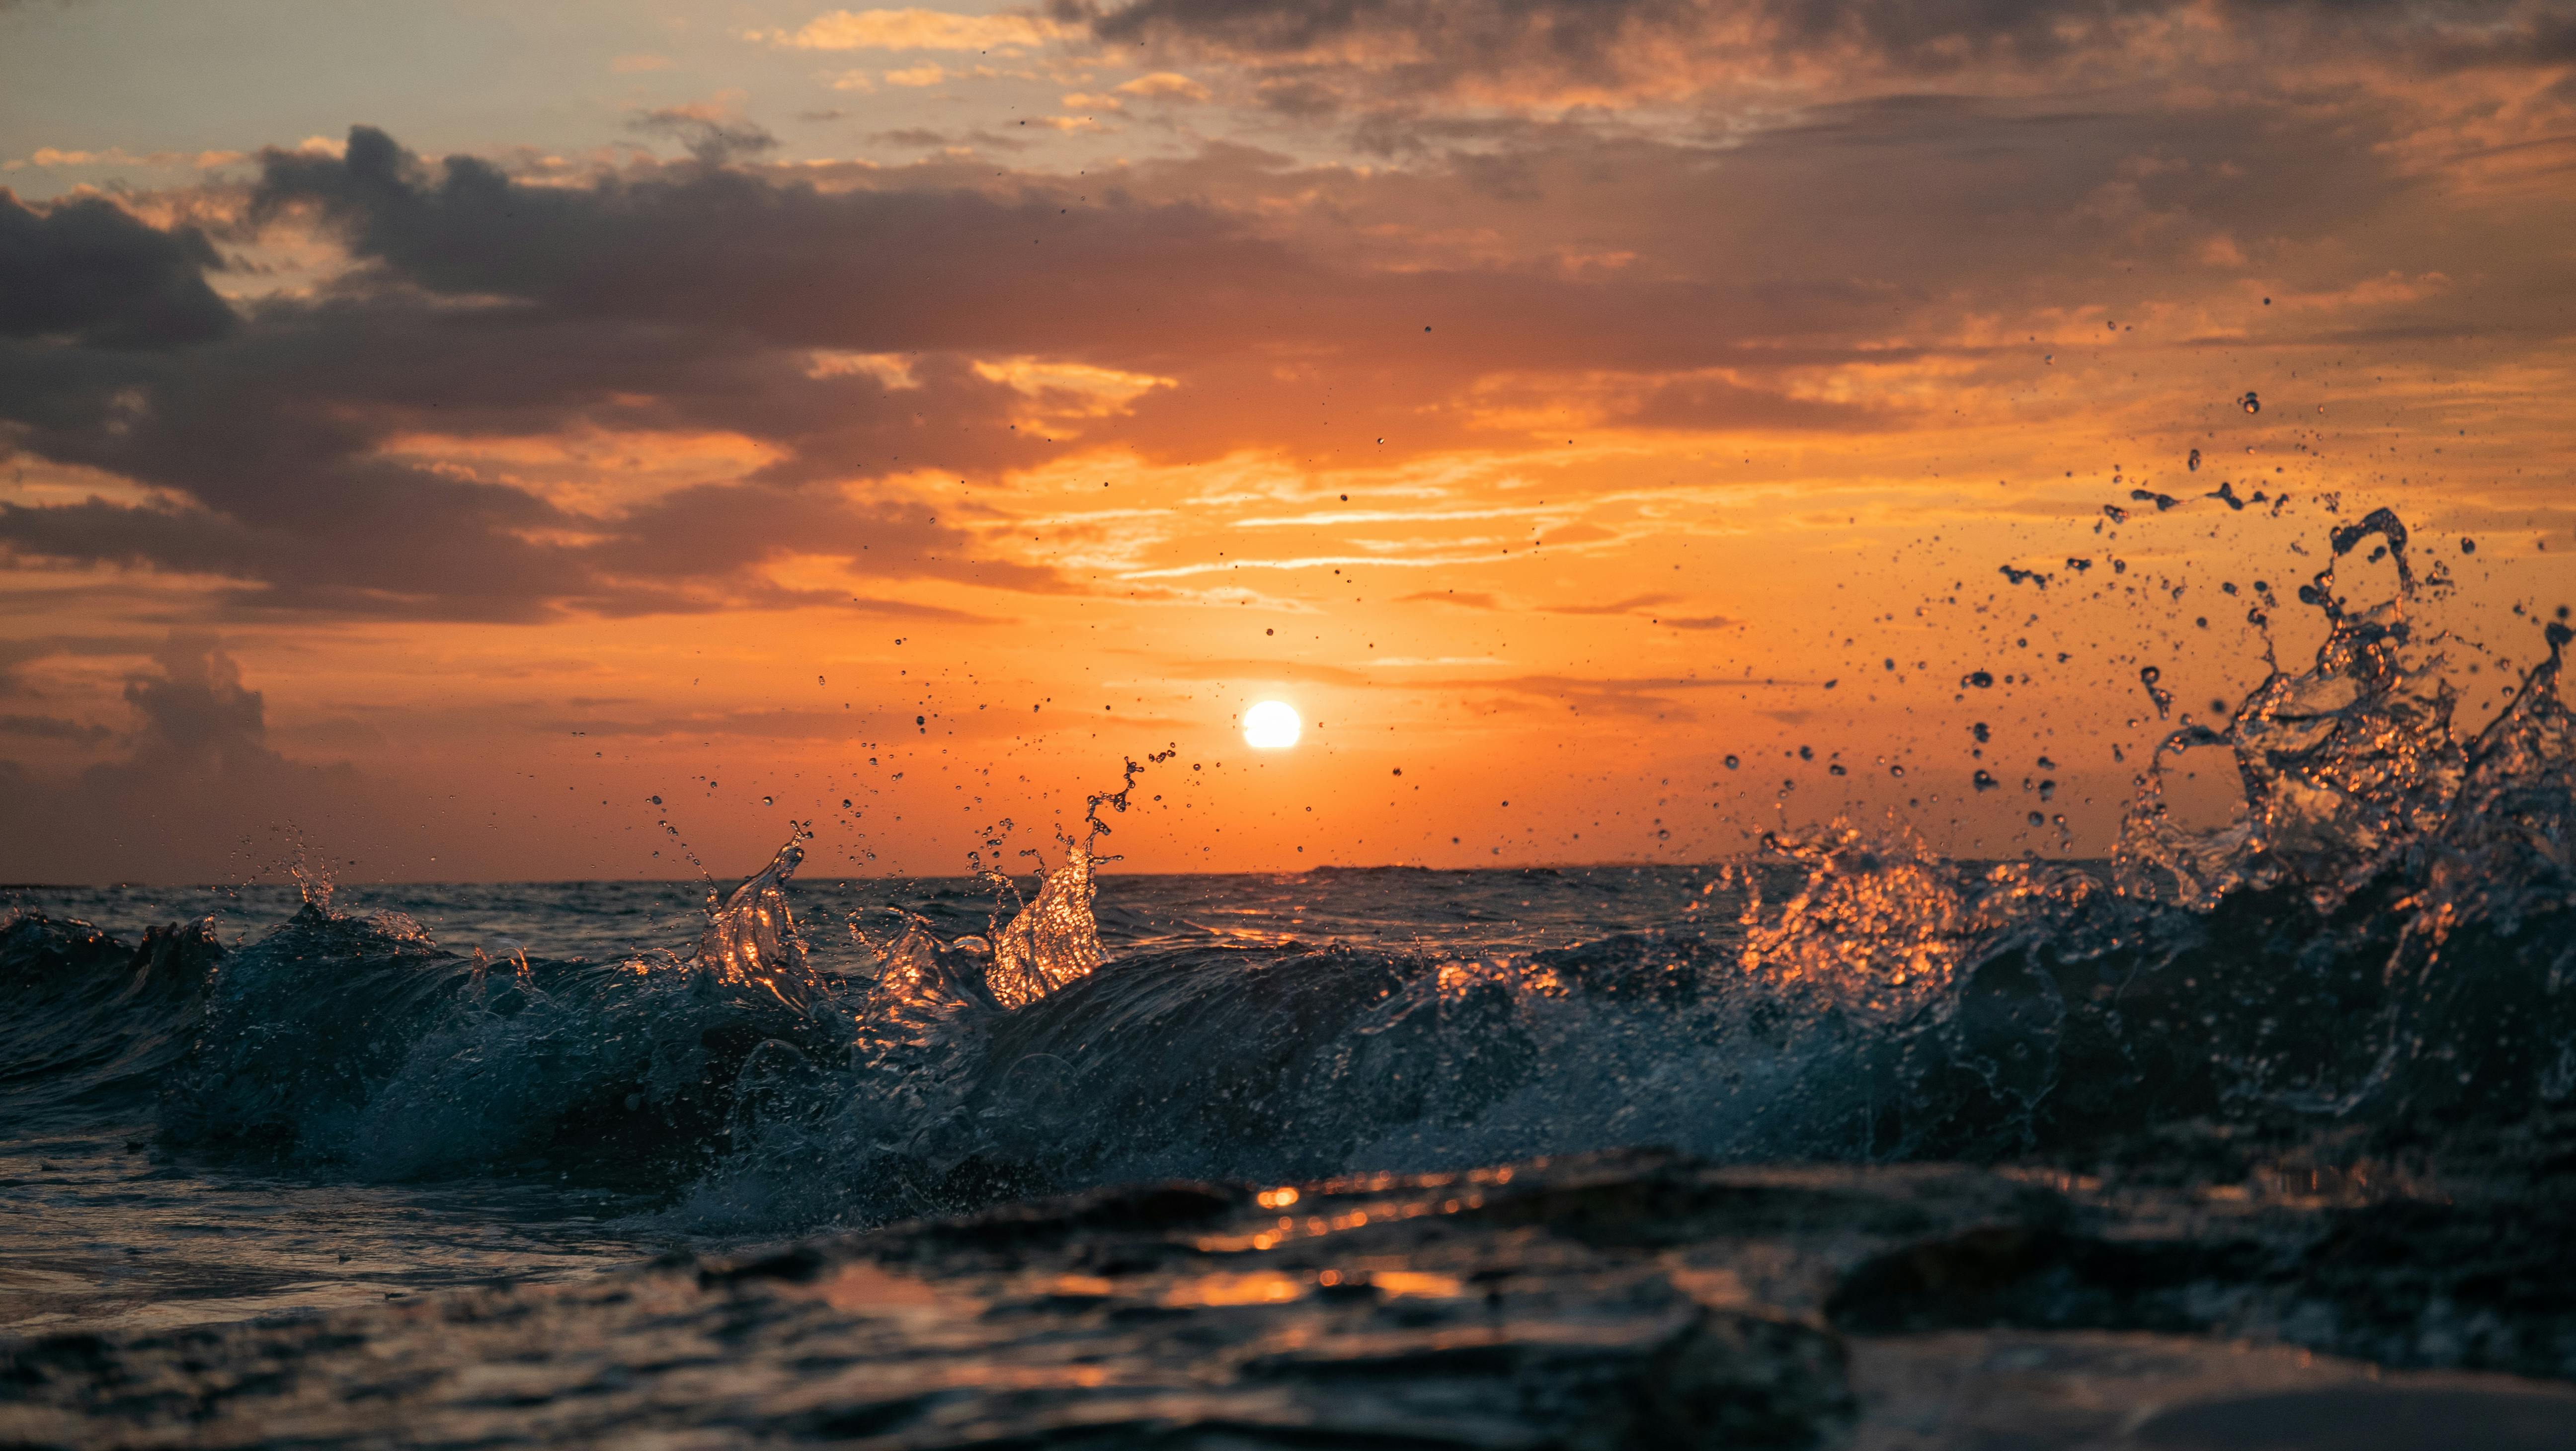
1271	726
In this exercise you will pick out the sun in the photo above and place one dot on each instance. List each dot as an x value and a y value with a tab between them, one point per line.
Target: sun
1271	726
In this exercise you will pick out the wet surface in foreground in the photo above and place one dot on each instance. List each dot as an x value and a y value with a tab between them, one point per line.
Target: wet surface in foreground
104	1233
1626	1300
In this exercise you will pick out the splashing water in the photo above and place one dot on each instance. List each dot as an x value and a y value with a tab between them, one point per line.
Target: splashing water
753	940
2344	765
1052	941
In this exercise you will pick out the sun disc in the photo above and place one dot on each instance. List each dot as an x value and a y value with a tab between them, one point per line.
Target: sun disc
1271	726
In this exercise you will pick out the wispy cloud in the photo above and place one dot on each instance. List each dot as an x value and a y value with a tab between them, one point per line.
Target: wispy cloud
918	29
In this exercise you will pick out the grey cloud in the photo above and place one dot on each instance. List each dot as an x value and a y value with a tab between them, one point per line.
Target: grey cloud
1439	42
265	442
88	270
178	806
713	140
686	298
196	716
54	728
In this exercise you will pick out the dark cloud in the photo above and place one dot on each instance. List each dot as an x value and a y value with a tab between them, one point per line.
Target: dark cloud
53	728
1673	284
267	444
694	298
1430	44
183	803
195	718
714	140
89	271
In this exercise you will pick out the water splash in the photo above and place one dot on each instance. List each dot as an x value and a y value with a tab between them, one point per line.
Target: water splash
1053	940
2345	765
752	940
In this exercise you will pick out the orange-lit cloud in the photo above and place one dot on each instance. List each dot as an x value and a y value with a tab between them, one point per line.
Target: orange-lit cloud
917	29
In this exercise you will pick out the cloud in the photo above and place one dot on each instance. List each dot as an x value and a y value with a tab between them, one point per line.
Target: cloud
196	717
1628	606
51	157
1633	605
199	781
88	270
917	29
1164	85
53	728
1461	599
1420	47
269	443
1850	268
711	135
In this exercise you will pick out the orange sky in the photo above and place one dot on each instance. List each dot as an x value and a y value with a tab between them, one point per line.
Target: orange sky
1550	401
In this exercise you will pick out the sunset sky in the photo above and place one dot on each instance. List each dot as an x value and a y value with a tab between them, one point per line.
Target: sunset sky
431	432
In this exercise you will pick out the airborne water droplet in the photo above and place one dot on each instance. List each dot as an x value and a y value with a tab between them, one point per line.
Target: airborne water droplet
2251	403
2195	461
768	801
1730	763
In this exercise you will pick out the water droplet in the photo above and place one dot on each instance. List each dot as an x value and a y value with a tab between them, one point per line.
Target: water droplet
768	801
1731	763
2468	546
1985	780
2250	403
2038	820
2195	461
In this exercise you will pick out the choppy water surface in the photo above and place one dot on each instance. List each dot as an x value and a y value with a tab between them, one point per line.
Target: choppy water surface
372	1144
2378	949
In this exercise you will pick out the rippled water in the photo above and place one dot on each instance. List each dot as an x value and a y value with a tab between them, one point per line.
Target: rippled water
124	1228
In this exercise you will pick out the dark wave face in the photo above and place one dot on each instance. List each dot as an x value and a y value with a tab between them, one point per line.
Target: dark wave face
2383	935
